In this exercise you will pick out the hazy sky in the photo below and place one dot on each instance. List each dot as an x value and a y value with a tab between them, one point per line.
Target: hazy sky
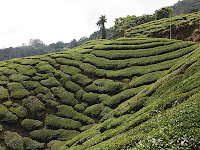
64	20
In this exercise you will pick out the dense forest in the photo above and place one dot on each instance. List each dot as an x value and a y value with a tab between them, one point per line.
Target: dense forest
186	7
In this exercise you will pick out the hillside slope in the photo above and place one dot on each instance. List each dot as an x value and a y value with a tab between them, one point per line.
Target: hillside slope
184	27
104	94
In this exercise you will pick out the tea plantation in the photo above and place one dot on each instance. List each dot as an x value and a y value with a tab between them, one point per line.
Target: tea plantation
129	93
183	26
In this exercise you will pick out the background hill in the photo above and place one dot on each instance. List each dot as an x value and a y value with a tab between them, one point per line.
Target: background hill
125	93
186	7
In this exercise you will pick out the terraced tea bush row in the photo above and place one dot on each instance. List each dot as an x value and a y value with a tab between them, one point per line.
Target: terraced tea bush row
147	78
105	86
69	112
132	47
124	54
113	101
47	135
55	122
104	63
129	41
159	25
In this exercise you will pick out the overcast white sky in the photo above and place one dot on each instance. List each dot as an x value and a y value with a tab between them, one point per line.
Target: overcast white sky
64	20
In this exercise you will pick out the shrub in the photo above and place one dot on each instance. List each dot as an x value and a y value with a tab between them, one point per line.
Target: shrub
69	69
65	97
30	144
84	128
113	101
58	122
18	110
18	94
33	105
26	70
105	86
71	86
62	76
147	78
47	135
31	124
3	78
13	140
7	71
81	79
42	89
91	98
3	93
79	94
29	61
44	135
42	76
80	107
7	103
50	82
94	110
18	77
31	85
55	145
69	112
13	86
44	67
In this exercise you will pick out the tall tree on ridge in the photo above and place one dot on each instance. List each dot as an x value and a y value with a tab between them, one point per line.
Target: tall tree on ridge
101	24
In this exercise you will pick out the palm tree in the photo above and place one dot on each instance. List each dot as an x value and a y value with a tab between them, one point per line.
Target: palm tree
101	24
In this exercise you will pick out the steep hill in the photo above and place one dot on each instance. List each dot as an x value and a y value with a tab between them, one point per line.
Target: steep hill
184	27
186	6
138	93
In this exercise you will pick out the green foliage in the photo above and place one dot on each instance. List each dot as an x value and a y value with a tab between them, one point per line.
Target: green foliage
105	86
44	67
64	96
3	93
164	12
30	144
31	85
94	110
69	112
7	116
72	87
147	78
69	69
18	110
50	82
48	135
33	105
80	107
91	98
17	90
101	23
112	101
81	79
124	23
31	124
13	140
7	71
18	94
55	122
26	70
18	78
160	28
